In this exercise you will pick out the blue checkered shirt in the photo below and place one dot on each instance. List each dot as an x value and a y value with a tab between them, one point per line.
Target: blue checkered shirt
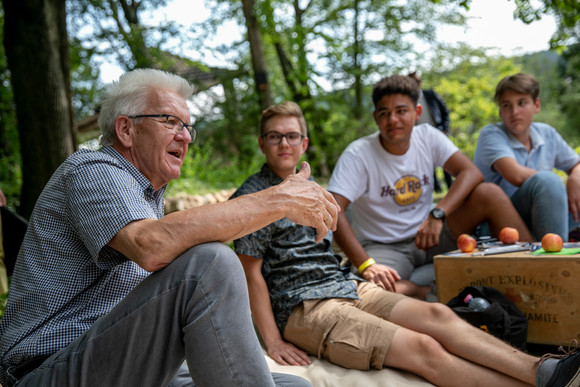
66	276
295	267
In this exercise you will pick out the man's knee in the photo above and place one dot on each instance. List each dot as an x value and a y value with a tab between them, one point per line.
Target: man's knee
489	192
440	315
418	353
545	182
432	355
215	259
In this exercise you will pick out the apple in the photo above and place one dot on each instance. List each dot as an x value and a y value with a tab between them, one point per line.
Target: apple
508	235
552	242
466	243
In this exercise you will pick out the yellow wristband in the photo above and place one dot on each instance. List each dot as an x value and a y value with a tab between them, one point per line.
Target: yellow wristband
365	264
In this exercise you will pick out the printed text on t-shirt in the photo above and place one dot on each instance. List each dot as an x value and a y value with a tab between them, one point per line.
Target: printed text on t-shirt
406	190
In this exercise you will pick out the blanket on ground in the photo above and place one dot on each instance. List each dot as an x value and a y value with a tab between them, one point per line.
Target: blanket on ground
322	373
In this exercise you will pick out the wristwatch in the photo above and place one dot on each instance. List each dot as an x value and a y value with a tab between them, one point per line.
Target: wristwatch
437	213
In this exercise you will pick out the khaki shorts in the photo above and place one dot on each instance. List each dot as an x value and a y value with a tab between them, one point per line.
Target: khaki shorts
351	333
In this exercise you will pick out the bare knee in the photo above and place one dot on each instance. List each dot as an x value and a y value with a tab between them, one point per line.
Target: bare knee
434	359
418	353
490	194
441	314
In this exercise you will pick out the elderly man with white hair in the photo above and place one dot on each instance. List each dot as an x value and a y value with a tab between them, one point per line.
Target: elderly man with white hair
107	291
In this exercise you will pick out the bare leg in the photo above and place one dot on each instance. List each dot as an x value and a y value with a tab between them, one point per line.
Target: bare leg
424	356
487	203
411	289
467	352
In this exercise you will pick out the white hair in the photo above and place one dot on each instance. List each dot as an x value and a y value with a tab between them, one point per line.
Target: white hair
130	96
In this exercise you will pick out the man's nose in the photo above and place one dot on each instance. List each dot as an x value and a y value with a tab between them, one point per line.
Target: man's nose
392	117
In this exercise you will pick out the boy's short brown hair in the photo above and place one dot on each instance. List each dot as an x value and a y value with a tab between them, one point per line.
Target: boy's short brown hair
287	108
396	84
520	83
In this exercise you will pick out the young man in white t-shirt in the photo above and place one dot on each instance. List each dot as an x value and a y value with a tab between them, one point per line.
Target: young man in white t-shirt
387	176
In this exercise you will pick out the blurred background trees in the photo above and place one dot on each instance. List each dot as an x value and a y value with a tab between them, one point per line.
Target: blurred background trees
323	54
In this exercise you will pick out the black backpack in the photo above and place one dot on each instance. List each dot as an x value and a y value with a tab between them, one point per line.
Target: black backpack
502	319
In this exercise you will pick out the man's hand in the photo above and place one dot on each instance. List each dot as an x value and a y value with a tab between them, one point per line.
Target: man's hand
428	233
382	275
2	199
310	204
573	190
287	354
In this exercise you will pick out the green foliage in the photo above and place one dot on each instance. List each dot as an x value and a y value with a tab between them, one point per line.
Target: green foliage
324	54
468	88
204	170
357	42
332	126
115	29
85	82
3	298
10	170
566	12
466	142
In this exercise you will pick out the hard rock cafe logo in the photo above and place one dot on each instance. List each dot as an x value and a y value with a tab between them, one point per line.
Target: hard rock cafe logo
407	189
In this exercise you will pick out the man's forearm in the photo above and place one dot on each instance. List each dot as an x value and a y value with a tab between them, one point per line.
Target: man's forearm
153	244
262	312
461	188
346	240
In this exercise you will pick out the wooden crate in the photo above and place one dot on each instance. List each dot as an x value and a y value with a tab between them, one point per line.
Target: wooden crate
545	288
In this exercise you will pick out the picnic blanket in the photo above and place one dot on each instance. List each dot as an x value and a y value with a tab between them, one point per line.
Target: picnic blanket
322	373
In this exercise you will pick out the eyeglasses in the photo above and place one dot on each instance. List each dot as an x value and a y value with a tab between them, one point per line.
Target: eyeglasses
172	123
275	138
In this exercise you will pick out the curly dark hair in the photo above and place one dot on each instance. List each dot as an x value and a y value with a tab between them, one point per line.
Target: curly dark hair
396	84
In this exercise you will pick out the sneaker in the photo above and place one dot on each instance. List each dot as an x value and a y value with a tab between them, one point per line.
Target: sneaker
567	373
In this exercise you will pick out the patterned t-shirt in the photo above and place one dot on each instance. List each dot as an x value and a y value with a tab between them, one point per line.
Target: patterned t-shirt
66	276
295	267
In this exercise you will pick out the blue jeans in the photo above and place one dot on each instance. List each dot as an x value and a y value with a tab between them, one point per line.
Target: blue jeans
182	379
195	309
542	202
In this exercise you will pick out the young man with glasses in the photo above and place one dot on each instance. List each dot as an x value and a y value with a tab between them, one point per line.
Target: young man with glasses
304	303
107	291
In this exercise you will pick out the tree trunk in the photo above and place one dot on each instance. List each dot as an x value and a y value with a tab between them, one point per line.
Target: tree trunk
257	51
36	45
356	64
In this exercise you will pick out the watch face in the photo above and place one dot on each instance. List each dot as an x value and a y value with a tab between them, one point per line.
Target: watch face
438	213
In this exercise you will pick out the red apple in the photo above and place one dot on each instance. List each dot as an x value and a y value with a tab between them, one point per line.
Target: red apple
508	235
552	242
466	243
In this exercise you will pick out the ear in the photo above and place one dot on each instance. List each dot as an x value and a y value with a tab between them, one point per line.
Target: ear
124	129
261	144
537	106
304	145
418	112
375	117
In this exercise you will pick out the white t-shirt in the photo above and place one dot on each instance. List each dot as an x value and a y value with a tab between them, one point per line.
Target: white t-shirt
390	195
